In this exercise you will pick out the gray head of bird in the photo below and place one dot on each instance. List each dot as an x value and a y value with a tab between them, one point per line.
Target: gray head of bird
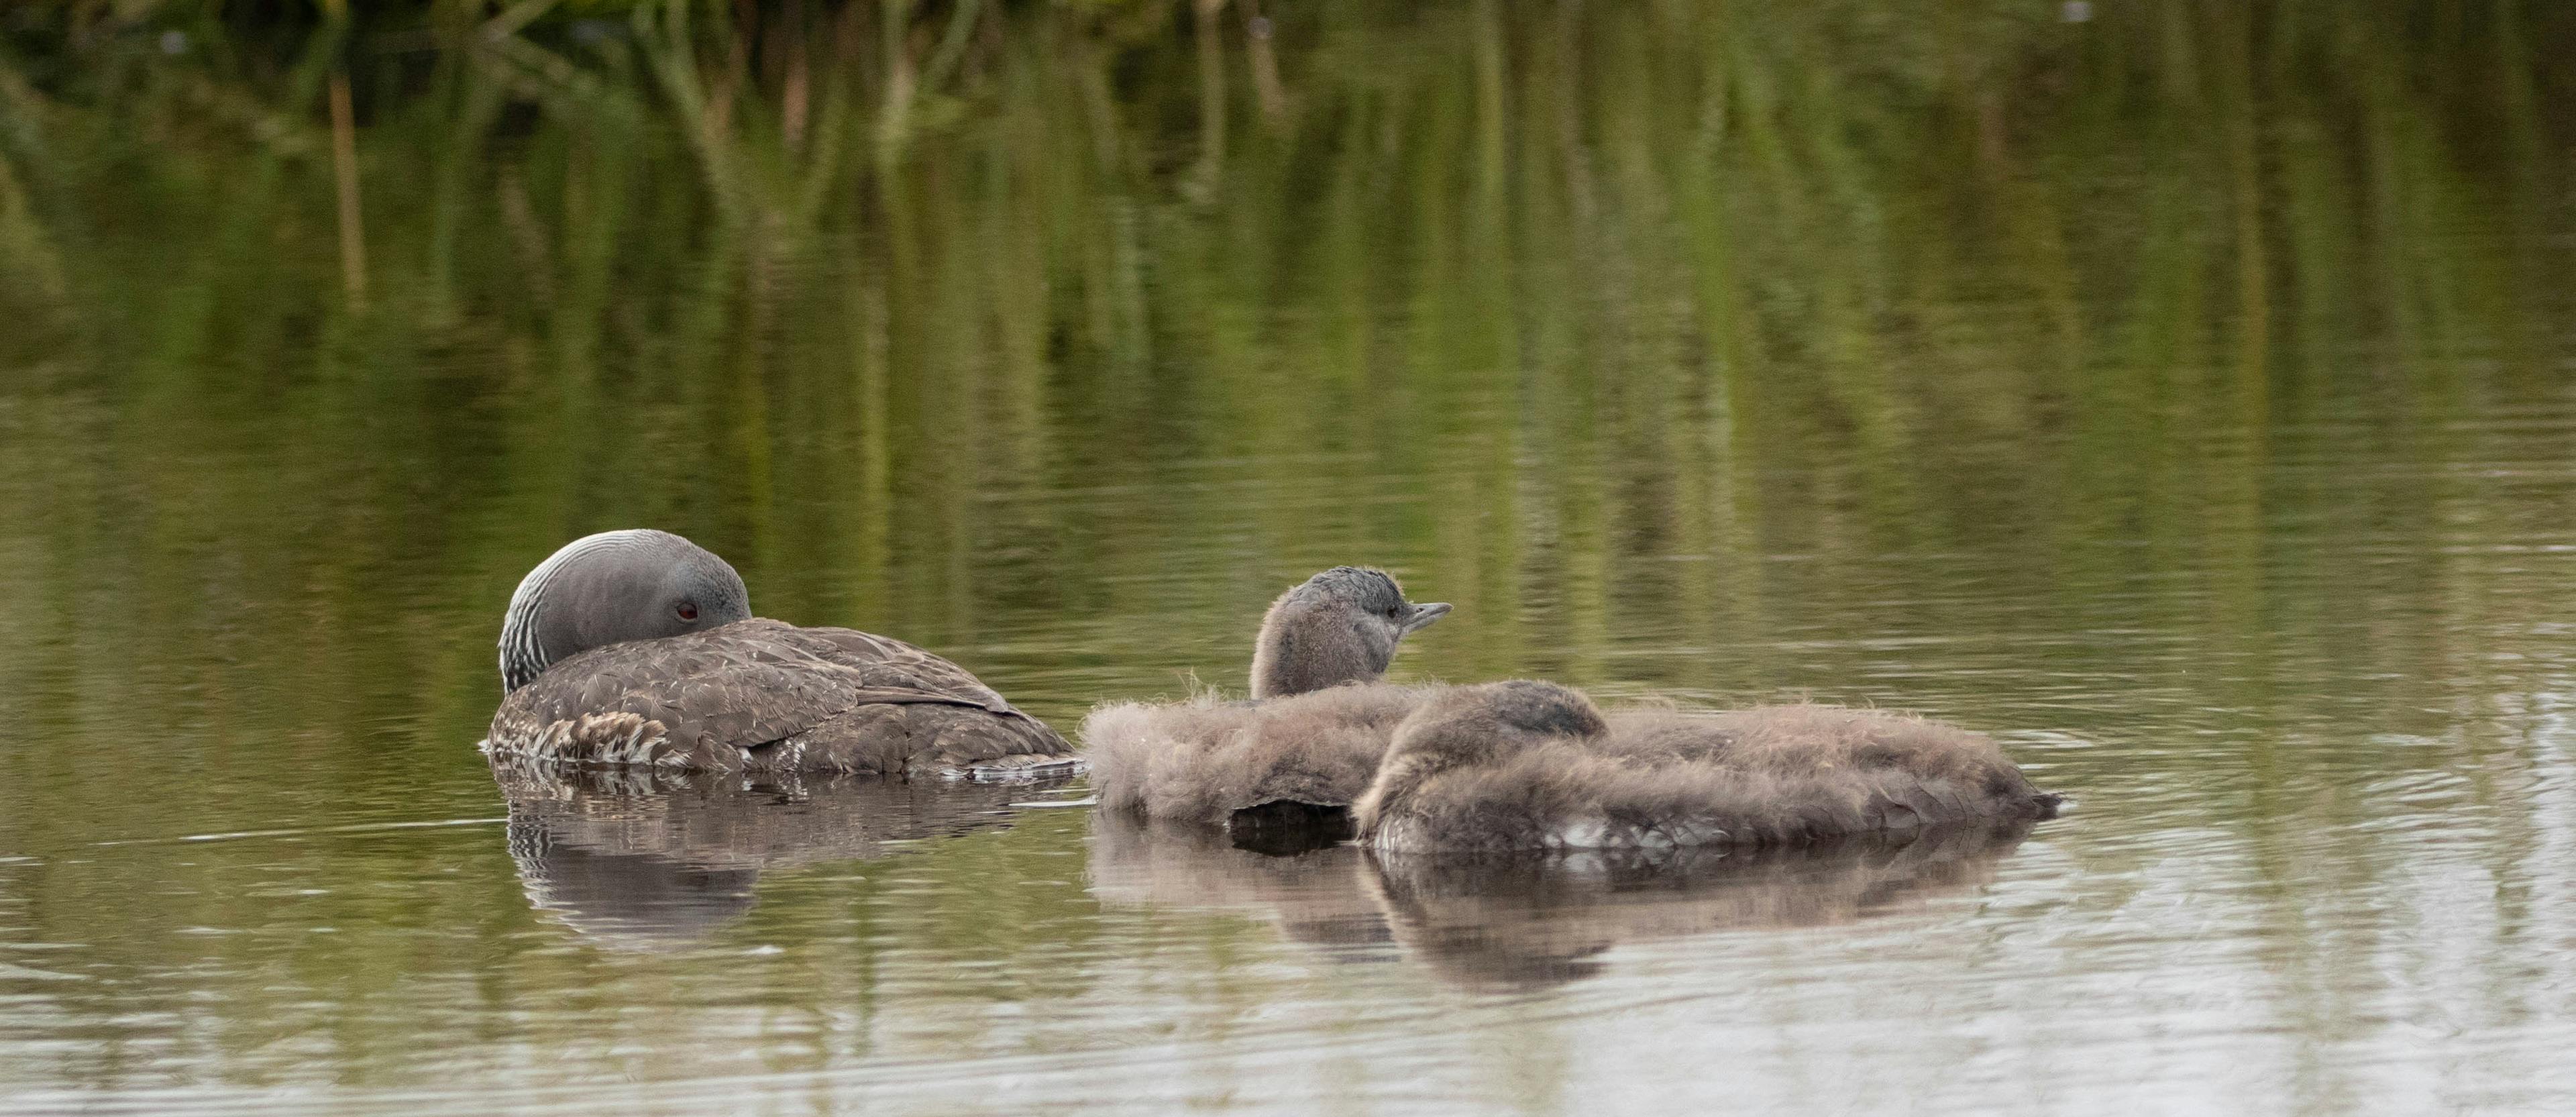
1337	627
1494	720
611	588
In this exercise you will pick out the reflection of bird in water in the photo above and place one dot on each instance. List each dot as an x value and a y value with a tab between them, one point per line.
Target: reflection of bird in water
641	858
1542	919
1317	896
639	647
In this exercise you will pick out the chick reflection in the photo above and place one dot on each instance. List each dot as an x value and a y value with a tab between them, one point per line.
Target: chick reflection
1539	920
643	859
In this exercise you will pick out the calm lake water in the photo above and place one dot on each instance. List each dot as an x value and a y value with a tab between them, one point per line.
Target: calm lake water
2192	406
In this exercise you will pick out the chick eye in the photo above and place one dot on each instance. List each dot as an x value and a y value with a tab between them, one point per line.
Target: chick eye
1393	611
688	610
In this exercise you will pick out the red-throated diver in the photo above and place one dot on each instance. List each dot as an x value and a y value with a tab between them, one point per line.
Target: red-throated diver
639	647
1311	736
1532	765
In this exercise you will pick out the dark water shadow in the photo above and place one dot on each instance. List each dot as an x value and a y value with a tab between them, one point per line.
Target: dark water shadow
636	859
1541	920
1283	829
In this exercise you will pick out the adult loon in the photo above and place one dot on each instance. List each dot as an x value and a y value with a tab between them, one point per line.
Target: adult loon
639	647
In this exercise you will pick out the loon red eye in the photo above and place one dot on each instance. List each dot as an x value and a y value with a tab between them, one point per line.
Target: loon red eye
688	610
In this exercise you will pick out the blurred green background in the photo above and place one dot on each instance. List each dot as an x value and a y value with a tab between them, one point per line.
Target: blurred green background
1058	336
1709	349
2182	390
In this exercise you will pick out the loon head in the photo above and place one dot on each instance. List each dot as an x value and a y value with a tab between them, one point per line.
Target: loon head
610	588
1337	627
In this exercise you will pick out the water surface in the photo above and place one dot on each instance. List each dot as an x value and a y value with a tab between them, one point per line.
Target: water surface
2190	403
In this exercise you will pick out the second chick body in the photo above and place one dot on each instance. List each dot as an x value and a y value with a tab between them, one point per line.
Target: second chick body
1533	765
